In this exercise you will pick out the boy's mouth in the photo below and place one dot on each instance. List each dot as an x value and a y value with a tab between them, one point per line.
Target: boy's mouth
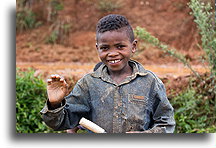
114	61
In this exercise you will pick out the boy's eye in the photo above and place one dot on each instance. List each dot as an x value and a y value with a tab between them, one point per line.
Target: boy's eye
104	48
120	46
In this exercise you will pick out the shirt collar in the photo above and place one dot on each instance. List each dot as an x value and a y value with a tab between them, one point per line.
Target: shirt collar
138	69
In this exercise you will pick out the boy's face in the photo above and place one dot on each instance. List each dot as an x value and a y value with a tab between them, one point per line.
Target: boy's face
115	49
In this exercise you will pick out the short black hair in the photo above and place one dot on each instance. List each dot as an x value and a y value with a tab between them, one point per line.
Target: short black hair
114	22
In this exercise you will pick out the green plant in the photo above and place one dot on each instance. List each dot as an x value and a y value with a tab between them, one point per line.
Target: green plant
194	109
193	114
30	99
26	19
108	5
59	32
204	18
54	6
52	38
143	35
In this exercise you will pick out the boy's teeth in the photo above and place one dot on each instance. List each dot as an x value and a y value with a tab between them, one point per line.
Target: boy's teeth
114	61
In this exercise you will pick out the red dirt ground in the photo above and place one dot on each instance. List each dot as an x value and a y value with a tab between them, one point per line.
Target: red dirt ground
168	20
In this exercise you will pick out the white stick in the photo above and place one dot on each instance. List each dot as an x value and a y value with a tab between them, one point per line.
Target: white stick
91	126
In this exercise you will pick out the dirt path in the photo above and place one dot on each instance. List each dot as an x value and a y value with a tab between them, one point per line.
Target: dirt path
78	69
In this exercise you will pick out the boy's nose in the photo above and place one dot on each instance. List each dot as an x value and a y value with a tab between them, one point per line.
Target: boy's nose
113	53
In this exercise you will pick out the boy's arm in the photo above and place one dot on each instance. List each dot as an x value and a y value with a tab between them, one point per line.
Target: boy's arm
163	112
69	111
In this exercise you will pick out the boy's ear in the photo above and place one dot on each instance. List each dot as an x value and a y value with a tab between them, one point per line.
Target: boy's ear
134	46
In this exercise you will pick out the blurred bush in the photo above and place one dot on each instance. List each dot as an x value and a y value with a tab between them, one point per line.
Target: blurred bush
195	108
106	6
193	114
59	32
26	19
30	99
204	14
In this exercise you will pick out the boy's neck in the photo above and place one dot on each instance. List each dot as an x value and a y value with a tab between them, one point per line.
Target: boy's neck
119	76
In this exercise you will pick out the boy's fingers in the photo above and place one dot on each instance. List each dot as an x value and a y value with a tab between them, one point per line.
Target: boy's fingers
55	77
49	81
63	82
52	76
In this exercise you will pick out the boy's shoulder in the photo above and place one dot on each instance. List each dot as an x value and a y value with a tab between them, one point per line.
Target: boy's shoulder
154	76
148	73
96	73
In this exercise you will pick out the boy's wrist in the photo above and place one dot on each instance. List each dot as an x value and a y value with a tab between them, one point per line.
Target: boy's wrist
55	105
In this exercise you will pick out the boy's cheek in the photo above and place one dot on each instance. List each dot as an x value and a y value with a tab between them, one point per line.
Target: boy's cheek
102	56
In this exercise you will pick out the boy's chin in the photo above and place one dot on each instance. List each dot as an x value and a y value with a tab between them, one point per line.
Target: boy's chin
114	69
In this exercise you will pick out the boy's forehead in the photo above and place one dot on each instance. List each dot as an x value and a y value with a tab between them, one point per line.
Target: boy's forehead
117	35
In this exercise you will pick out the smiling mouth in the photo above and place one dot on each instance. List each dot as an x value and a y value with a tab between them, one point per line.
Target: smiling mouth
114	61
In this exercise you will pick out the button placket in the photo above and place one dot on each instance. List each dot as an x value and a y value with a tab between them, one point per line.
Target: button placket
117	121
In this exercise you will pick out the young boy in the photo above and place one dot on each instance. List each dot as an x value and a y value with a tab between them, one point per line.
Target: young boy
120	96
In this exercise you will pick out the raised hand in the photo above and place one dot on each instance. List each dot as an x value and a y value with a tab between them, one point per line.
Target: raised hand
56	89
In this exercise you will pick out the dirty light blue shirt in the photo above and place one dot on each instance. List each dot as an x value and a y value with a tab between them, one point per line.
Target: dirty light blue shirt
139	103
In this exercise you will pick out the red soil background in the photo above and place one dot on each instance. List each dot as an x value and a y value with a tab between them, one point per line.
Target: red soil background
168	20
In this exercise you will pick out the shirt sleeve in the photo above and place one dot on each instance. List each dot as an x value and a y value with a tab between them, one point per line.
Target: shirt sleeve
74	106
163	112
